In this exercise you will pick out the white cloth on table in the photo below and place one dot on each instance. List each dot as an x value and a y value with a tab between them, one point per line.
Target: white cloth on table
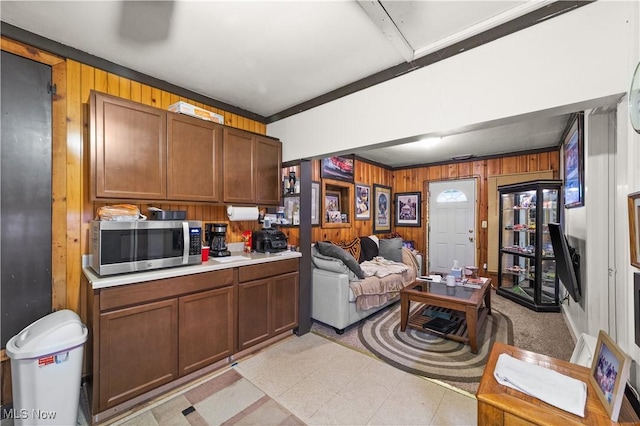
561	391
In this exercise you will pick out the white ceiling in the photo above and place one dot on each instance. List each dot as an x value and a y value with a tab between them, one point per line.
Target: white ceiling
266	57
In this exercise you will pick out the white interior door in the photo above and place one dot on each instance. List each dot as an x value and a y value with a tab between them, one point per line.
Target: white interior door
452	224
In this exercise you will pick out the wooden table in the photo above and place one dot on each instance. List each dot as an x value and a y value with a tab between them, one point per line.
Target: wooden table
502	405
468	307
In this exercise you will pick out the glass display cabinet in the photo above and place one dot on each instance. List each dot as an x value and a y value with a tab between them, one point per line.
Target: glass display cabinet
526	264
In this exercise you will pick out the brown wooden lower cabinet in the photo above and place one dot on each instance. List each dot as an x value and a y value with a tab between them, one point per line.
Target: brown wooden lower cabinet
138	350
267	301
253	313
206	329
150	334
285	302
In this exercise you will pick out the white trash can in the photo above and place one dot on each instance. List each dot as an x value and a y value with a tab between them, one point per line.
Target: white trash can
46	369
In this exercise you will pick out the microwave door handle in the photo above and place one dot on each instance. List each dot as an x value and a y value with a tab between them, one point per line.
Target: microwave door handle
185	248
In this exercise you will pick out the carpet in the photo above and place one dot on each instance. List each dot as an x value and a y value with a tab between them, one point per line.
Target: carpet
448	361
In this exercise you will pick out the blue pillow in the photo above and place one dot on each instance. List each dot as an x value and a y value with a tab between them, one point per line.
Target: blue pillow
332	250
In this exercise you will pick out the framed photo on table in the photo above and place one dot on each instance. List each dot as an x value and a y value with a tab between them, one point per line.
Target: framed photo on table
407	209
574	163
381	209
363	202
609	374
634	228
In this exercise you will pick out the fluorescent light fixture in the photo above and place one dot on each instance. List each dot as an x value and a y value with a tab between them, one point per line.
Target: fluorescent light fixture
462	157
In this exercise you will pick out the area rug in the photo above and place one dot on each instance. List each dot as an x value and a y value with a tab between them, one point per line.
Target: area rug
541	332
426	354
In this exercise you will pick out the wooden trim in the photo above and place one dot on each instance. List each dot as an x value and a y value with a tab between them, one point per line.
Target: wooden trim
3	356
59	269
26	51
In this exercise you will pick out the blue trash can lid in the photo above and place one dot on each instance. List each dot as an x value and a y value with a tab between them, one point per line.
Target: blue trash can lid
53	333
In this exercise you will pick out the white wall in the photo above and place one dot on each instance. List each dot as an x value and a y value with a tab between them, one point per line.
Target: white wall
555	66
577	61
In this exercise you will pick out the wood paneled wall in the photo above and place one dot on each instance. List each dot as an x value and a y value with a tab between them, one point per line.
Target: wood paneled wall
417	180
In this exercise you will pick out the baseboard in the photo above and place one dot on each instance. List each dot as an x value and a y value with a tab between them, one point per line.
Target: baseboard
573	330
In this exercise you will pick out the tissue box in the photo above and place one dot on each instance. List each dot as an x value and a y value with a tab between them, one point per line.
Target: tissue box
192	110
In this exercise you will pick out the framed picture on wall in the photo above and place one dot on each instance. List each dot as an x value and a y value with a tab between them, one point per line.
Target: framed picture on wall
338	167
634	228
381	209
363	202
407	209
315	203
574	163
636	305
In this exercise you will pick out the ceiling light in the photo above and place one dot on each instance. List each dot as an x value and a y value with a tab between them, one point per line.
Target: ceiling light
430	140
462	157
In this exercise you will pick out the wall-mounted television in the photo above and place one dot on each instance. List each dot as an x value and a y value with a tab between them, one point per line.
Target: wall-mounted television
567	261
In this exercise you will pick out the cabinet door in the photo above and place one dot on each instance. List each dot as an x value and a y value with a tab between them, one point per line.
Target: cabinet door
268	160
138	350
128	149
239	166
284	311
254	319
206	329
194	158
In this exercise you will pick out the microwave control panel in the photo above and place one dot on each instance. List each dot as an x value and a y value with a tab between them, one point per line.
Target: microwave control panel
195	240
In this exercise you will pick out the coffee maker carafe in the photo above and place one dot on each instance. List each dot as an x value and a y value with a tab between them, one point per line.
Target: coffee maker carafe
216	234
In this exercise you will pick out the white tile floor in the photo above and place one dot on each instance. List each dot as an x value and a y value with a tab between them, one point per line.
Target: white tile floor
321	383
325	383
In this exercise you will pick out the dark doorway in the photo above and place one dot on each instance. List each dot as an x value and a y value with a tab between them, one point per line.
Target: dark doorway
25	204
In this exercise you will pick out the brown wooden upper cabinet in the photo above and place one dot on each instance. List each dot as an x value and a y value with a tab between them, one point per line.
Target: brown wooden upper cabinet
194	159
128	149
146	153
251	170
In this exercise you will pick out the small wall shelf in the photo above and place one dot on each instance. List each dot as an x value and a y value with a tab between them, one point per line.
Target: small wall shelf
337	201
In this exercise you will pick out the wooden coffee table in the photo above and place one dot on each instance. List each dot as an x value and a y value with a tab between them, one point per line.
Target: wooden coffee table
469	307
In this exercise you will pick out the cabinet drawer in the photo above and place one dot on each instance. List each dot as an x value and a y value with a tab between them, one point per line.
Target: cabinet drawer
133	294
264	270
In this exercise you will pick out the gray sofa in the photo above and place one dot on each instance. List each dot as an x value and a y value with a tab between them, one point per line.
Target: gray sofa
333	299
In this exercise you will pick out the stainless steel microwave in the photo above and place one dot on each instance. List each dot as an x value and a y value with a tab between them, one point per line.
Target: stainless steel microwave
120	247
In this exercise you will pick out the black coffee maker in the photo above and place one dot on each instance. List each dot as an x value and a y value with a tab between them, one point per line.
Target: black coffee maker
216	234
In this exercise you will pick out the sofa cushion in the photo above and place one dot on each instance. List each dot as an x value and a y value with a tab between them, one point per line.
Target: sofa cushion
368	249
391	249
332	250
332	264
353	247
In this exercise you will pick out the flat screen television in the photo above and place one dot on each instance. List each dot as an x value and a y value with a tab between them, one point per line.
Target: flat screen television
567	261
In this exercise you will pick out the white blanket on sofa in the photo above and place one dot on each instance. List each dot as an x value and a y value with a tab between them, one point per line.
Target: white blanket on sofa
381	267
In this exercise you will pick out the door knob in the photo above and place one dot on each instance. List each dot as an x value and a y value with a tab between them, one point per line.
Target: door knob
471	239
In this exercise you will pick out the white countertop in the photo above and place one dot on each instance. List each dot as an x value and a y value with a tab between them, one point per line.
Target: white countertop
236	259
